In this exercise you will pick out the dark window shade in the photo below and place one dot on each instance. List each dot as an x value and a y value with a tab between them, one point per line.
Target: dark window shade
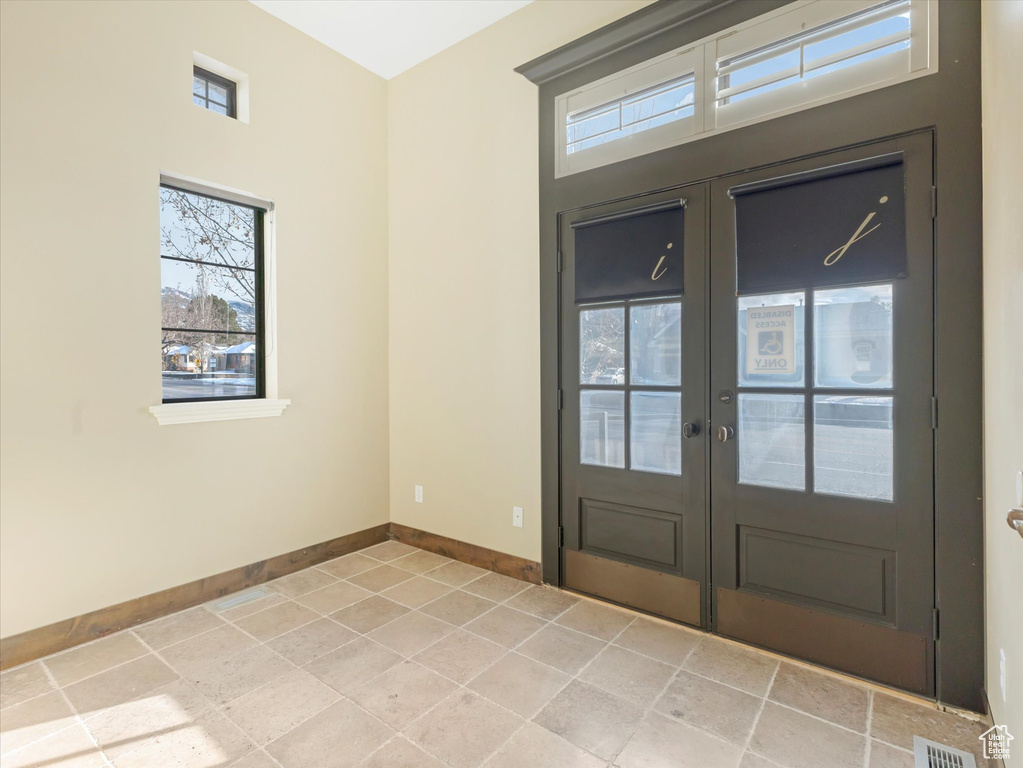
836	226
628	255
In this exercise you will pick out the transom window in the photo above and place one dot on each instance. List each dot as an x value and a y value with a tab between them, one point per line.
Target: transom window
213	92
211	258
799	56
651	107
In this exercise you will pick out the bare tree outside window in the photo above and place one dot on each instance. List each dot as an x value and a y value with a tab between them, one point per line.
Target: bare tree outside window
210	259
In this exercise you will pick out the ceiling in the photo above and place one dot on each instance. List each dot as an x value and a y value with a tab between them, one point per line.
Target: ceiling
389	36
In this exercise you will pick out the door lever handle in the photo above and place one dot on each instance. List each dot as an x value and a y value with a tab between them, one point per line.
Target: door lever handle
725	434
689	429
1015	520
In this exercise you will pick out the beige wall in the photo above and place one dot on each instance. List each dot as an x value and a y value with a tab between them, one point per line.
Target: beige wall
100	504
1003	352
464	285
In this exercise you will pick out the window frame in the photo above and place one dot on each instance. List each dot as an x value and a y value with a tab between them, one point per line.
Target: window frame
762	31
229	85
184	411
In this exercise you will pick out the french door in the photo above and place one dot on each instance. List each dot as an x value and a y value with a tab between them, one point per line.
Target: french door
753	453
633	485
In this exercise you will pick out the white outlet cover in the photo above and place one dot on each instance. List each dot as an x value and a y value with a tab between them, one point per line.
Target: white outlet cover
419	494
517	517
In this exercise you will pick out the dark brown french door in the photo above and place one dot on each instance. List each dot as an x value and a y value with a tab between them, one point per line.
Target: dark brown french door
634	384
760	462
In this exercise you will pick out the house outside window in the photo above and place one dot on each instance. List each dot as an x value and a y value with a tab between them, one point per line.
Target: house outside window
212	329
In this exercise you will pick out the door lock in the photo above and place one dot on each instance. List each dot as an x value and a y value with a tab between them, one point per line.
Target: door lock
689	429
725	434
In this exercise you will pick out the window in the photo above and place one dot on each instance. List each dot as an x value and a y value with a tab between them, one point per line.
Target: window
213	92
630	404
849	399
211	258
799	56
659	105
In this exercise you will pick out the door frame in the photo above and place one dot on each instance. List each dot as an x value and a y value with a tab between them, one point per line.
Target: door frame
947	102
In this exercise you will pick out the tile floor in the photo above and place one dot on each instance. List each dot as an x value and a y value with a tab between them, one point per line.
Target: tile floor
393	657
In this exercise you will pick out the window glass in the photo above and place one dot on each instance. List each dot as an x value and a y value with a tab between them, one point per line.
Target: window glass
213	92
651	107
772	445
602	428
602	346
853	337
208	366
212	329
655	344
771	344
656	432
852	448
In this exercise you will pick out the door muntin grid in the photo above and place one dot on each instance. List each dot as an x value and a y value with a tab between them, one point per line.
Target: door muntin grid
630	385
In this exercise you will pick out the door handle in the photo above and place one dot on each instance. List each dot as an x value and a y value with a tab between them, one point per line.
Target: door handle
1015	520
725	434
689	429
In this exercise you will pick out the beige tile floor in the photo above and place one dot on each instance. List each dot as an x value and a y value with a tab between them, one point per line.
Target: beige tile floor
395	657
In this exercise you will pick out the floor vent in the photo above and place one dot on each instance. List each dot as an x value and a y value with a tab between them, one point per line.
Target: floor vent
931	754
241	598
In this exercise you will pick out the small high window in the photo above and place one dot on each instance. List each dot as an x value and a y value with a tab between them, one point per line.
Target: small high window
213	92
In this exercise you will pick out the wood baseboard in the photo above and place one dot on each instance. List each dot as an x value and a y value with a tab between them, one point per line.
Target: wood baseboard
481	557
36	643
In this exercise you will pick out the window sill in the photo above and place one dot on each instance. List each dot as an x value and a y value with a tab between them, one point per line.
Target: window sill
224	410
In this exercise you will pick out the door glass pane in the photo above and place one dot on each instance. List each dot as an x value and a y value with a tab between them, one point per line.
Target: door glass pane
656	432
602	346
853	329
655	347
852	446
602	428
772	442
771	340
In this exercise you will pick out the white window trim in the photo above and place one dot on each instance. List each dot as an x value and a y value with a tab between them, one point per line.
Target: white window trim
226	410
701	58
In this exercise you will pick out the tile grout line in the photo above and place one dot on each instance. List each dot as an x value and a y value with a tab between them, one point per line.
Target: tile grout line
653	703
869	726
573	678
763	703
209	702
79	720
462	686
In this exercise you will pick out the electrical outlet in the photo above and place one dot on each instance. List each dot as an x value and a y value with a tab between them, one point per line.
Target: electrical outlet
517	517
1002	676
419	494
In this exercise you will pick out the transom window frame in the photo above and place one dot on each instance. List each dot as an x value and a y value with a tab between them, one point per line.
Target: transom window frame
268	403
213	78
701	60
